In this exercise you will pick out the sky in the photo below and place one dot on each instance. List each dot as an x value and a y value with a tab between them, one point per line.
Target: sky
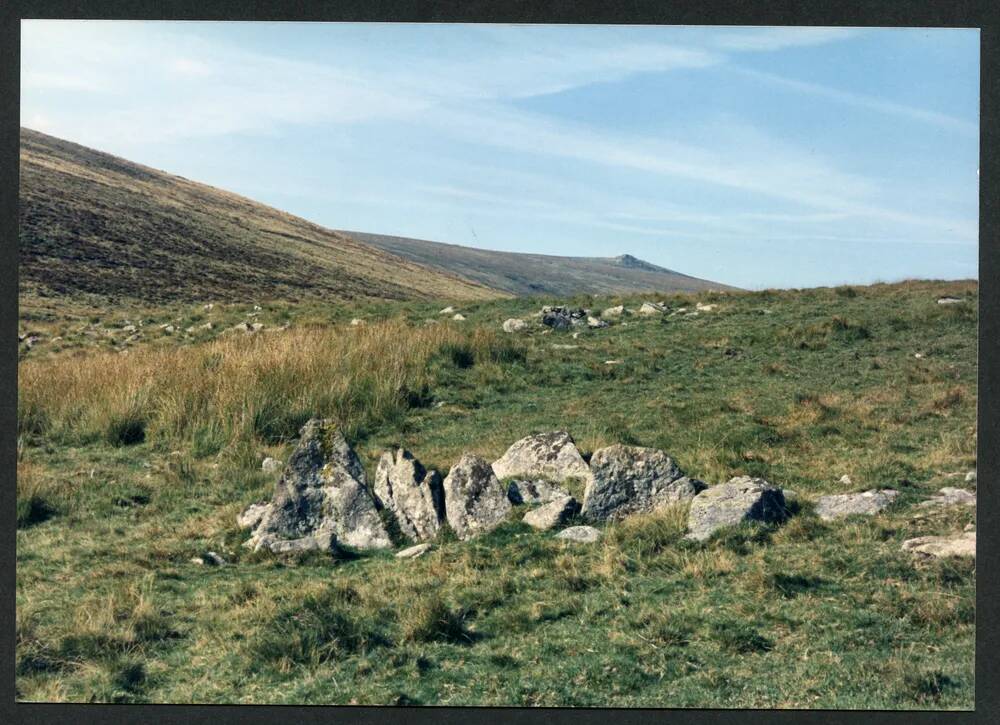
753	156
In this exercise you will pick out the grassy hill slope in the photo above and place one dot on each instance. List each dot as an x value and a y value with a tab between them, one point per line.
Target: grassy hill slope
130	465
99	225
539	274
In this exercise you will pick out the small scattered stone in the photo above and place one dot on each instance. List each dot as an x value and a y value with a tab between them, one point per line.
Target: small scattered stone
458	317
846	480
565	347
613	362
579	534
447	311
614	311
355	322
270	465
705	307
651	308
948	300
970	477
514	325
596	324
252	515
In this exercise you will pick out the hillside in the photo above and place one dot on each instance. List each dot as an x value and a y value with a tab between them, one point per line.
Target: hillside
96	224
541	274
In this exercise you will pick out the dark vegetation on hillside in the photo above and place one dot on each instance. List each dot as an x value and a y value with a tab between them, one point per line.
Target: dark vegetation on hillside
97	224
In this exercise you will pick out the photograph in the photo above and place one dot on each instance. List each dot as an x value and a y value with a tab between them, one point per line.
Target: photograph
497	365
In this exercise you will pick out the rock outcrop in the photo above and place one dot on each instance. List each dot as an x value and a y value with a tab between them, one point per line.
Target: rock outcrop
551	456
552	514
868	503
475	501
728	504
629	479
412	493
322	499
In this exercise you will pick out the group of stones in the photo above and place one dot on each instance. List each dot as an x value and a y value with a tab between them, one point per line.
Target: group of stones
323	499
560	317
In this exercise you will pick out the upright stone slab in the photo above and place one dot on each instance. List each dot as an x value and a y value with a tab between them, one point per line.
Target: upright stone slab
321	499
412	493
551	456
728	504
630	479
474	500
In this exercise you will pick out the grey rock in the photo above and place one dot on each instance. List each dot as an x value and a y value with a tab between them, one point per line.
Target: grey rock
629	479
412	493
579	534
270	465
740	499
514	325
252	515
552	514
961	545
595	323
868	503
614	311
475	501
322	498
533	492
651	308
949	496
413	552
552	456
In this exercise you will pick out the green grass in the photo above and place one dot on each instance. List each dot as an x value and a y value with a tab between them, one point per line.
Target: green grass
807	614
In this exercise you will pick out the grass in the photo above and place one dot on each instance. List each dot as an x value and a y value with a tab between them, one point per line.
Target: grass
808	614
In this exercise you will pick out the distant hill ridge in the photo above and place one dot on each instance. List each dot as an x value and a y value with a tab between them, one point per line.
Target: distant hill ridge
535	274
96	224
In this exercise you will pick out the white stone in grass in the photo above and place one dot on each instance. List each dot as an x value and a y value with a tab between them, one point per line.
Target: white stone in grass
580	534
270	465
413	552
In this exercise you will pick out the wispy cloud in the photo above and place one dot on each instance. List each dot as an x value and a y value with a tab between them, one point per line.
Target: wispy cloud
863	101
774	38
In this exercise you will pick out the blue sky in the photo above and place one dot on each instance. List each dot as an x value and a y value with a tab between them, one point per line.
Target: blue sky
759	157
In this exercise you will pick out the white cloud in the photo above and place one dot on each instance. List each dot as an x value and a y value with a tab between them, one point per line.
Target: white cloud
777	38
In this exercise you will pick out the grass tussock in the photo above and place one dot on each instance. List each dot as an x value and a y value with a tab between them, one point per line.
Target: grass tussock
240	389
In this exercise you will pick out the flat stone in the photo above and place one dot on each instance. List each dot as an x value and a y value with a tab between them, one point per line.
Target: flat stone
579	534
413	552
960	545
949	496
552	514
868	503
